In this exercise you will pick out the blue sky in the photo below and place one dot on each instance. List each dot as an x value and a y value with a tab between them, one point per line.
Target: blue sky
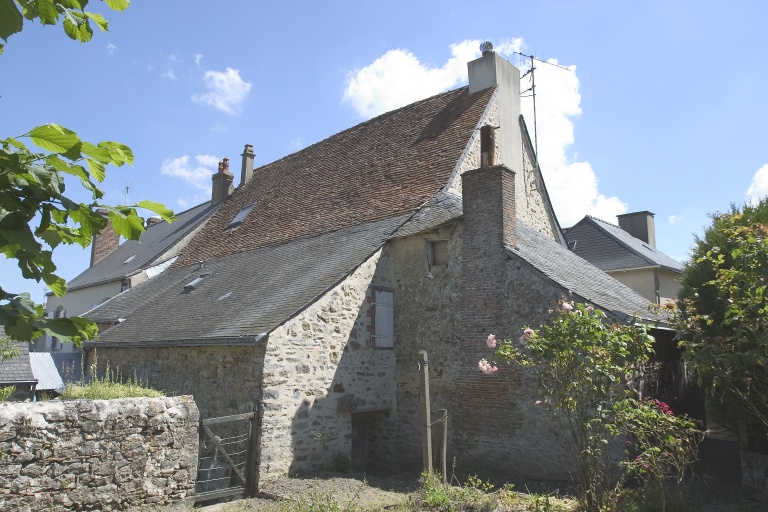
664	108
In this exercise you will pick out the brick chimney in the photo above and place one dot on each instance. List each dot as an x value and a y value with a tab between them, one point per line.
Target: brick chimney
105	241
492	70
247	169
639	225
222	183
153	220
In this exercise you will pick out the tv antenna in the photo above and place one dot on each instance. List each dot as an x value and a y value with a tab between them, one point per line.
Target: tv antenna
532	88
127	187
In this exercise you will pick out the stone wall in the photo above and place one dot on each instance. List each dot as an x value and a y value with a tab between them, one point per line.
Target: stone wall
223	380
121	454
321	371
493	422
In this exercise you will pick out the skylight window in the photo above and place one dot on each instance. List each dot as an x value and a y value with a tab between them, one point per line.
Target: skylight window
129	259
193	284
240	217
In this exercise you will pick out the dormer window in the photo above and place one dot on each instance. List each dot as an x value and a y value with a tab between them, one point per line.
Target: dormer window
240	217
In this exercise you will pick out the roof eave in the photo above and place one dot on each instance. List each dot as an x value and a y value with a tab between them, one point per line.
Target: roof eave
241	341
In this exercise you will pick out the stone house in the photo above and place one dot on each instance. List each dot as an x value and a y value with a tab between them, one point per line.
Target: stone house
628	253
311	290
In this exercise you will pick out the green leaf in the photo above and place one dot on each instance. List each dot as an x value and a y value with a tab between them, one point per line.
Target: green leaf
100	154
57	139
119	153
161	210
57	285
99	20
47	12
118	5
11	20
76	29
129	226
97	169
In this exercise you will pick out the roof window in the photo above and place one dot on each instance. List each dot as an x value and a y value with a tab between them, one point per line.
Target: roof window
240	217
193	284
129	259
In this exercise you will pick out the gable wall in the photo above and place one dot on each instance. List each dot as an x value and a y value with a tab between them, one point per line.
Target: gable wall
493	422
531	204
321	369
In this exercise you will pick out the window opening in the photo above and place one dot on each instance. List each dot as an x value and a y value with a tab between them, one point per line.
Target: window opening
240	217
437	256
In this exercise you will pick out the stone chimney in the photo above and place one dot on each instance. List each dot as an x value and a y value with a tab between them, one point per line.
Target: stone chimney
639	225
492	70
153	220
105	241
222	183
247	170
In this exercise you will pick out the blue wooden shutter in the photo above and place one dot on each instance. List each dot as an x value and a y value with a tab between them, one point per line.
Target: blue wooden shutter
385	319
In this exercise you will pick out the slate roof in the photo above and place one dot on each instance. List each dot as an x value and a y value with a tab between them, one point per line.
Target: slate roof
384	167
246	294
17	369
579	276
153	243
45	371
609	247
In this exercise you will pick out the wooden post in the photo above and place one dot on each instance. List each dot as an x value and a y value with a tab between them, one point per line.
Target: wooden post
442	443
426	421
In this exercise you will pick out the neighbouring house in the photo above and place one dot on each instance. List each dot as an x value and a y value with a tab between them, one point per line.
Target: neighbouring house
628	253
17	372
116	267
310	292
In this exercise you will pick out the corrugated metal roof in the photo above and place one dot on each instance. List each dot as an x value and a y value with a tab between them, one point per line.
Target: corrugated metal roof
44	370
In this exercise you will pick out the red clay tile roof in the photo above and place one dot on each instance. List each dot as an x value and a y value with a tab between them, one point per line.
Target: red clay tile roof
384	167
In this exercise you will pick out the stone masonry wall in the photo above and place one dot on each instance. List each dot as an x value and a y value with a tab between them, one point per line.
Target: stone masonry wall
124	454
530	202
223	380
321	369
493	422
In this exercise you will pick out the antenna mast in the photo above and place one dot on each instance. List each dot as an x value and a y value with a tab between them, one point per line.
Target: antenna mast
532	88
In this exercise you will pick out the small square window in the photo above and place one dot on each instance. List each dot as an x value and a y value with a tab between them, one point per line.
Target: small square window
240	217
437	256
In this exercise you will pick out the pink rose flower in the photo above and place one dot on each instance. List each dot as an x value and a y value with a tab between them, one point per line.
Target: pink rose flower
491	341
486	367
566	306
538	403
590	309
527	334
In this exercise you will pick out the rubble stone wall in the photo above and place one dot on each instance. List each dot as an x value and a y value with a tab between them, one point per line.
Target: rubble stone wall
124	454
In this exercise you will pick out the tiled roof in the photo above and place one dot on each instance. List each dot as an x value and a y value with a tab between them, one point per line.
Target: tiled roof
246	294
17	369
609	247
381	168
578	276
45	372
134	255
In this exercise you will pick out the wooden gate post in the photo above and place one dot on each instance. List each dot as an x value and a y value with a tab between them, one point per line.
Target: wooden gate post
426	421
442	442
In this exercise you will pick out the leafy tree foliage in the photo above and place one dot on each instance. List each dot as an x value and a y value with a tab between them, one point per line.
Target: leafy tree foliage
35	214
724	313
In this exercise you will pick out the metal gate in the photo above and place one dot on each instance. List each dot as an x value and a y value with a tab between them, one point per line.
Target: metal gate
226	465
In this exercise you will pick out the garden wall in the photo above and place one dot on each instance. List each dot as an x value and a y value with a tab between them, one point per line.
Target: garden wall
97	454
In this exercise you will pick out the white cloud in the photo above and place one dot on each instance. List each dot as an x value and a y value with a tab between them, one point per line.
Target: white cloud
398	78
169	74
572	185
296	144
758	189
197	174
674	219
111	48
198	58
226	91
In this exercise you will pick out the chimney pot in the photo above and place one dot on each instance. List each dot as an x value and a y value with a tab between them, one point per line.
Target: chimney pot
486	47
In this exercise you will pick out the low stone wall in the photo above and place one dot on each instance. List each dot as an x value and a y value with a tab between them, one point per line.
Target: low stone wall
122	454
754	470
